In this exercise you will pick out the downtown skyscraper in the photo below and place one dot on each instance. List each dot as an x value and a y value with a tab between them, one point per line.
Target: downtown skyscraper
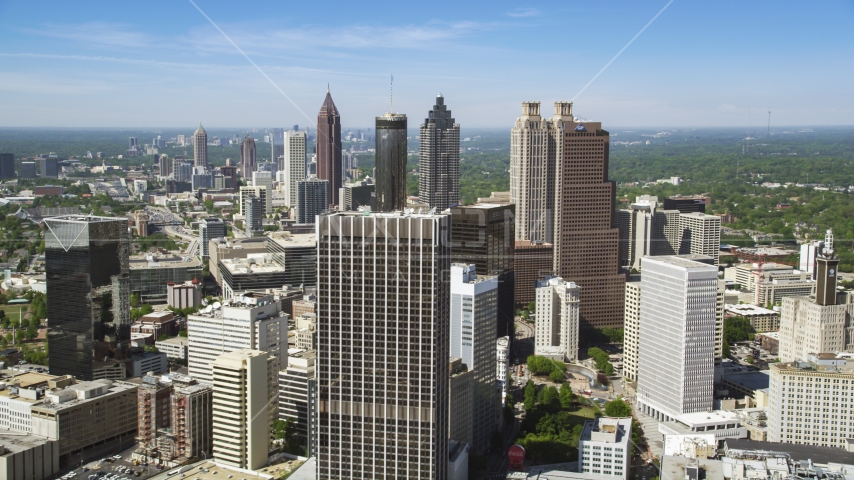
383	313
87	270
200	147
248	160
439	163
329	166
390	164
558	181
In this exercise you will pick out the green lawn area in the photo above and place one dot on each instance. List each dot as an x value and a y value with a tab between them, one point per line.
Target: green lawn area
12	310
585	413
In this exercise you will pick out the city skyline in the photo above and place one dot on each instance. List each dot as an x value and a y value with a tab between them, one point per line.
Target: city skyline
93	59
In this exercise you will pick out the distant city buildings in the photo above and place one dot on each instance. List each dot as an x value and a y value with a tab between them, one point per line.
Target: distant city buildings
293	164
248	160
7	165
312	199
210	228
439	164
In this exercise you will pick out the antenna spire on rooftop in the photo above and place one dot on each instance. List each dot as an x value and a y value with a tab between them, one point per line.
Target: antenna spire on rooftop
391	95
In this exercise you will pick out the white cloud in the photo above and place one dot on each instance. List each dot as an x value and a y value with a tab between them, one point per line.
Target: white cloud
727	108
97	33
523	12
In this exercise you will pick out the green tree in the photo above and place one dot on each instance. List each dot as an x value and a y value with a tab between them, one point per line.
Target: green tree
530	396
163	336
557	376
134	300
182	333
618	408
567	398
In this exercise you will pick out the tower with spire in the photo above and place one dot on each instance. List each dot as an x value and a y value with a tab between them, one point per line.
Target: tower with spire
200	147
329	166
439	164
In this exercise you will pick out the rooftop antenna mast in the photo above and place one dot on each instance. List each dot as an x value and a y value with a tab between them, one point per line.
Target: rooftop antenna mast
391	95
768	135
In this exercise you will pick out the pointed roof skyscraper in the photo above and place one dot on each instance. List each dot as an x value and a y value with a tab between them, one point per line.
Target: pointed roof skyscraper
201	129
329	166
200	147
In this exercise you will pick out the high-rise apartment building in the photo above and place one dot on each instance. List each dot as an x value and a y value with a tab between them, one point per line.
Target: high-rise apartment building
484	236
87	269
164	165
312	199
557	319
474	316
701	234
192	418
558	181
248	159
293	164
154	399
676	341
257	191
631	328
244	392
247	321
210	228
391	152
7	165
200	147
810	401
329	166
380	297
439	158
254	221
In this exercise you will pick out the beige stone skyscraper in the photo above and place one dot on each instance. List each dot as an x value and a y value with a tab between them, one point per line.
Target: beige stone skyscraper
559	183
200	147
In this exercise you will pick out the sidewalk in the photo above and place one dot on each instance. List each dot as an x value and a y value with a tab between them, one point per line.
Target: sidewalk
654	438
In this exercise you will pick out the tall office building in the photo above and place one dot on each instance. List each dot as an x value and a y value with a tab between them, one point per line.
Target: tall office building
329	164
210	228
293	164
558	181
277	146
484	236
439	164
254	221
474	315
390	178
817	324
532	174
461	393
383	338
248	160
49	167
532	261
28	170
809	253
557	311
244	392
7	165
312	199
265	179
631	329
87	269
701	234
247	321
676	341
200	147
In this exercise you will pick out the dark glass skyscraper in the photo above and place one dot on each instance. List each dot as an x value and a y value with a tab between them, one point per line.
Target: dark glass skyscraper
7	165
439	164
329	164
391	162
86	260
484	235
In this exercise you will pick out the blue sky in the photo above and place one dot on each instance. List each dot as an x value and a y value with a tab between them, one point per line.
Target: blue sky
162	64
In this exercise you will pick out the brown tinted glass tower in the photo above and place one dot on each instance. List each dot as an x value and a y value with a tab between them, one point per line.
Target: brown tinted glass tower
329	147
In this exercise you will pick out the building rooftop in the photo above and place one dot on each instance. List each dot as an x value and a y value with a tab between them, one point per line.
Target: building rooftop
254	263
138	262
14	441
607	429
819	455
680	261
292	240
754	380
85	219
81	393
678	468
209	470
747	310
180	341
708	418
